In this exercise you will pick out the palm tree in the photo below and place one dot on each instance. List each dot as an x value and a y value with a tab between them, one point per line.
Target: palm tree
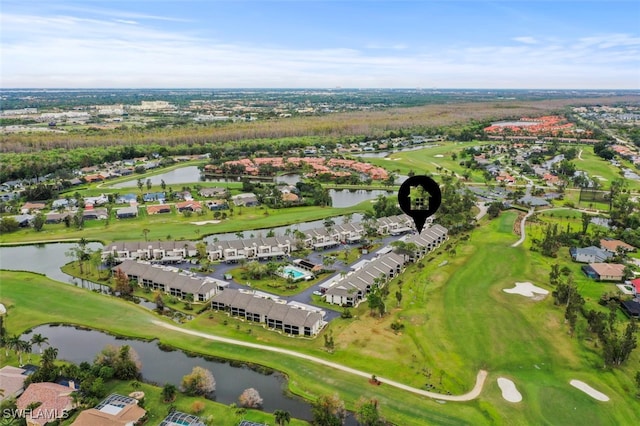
282	417
39	340
11	343
20	346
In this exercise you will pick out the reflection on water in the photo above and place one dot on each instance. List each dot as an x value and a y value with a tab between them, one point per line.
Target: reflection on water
162	367
45	259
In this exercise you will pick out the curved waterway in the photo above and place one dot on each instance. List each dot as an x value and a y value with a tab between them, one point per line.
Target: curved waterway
78	345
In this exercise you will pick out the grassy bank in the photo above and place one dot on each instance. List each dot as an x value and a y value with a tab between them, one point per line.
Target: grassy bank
456	320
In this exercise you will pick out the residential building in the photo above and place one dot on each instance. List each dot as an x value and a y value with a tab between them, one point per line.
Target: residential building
270	310
612	245
12	381
127	212
171	281
590	254
153	251
55	401
604	271
114	410
215	192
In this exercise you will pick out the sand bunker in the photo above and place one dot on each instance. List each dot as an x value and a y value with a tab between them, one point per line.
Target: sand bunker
439	156
204	222
589	390
527	289
509	391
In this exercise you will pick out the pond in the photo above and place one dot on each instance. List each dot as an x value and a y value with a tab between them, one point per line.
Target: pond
78	345
45	259
180	176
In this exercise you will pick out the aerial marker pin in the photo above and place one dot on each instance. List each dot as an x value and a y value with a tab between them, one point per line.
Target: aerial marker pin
419	197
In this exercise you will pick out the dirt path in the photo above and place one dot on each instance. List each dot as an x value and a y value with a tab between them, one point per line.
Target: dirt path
472	394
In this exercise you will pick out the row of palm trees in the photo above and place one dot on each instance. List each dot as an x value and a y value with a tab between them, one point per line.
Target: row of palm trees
15	343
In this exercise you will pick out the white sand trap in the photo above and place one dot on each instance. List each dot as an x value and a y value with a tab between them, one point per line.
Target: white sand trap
589	390
526	289
509	391
205	222
439	156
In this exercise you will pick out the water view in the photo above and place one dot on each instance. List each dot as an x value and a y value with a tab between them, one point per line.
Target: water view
45	259
78	345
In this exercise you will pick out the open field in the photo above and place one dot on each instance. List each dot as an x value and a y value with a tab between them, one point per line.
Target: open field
457	320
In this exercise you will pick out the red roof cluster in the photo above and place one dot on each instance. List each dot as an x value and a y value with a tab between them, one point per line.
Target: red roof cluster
552	125
319	165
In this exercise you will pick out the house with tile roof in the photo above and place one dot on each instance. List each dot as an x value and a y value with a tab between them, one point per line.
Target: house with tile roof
11	381
55	402
114	410
612	245
604	271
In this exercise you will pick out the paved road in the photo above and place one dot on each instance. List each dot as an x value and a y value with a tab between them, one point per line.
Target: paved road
522	230
472	394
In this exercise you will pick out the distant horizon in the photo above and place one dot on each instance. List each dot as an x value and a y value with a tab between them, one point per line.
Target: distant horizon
284	44
7	89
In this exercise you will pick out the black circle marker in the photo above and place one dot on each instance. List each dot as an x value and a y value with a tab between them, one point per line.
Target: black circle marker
419	197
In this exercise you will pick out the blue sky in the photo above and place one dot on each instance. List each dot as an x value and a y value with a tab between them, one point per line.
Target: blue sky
545	44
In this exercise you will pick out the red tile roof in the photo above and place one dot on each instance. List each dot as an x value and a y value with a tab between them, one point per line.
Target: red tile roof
54	398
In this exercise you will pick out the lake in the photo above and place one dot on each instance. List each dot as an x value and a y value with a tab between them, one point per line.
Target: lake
78	345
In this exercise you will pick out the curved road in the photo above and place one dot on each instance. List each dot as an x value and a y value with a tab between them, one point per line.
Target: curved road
522	232
472	394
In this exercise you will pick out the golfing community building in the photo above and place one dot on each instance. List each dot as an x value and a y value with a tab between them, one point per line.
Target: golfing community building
292	318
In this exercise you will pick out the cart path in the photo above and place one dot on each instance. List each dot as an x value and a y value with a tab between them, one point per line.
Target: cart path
472	394
522	228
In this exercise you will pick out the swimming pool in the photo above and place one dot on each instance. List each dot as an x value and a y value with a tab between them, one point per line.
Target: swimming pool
295	273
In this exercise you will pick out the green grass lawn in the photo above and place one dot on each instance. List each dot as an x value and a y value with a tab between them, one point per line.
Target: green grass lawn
276	285
175	226
427	160
601	169
457	320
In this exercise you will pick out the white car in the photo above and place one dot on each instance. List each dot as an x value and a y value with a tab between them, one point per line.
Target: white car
317	293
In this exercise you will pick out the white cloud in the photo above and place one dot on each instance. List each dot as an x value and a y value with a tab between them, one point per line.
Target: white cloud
71	51
526	40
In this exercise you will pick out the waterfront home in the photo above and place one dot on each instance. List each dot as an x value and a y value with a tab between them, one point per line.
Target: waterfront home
276	313
116	410
54	402
171	281
155	251
215	192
